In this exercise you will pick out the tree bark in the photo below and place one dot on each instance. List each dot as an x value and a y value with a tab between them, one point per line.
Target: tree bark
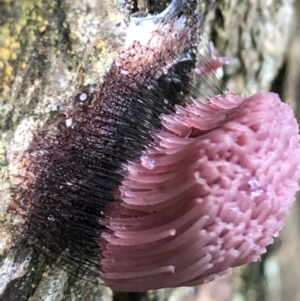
49	49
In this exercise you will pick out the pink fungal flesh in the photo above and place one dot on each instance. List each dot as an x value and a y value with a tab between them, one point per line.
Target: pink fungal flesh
214	63
208	195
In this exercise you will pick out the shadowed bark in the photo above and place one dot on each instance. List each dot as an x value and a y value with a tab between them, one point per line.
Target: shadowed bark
49	50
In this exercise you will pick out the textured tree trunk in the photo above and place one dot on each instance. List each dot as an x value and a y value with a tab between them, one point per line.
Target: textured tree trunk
49	49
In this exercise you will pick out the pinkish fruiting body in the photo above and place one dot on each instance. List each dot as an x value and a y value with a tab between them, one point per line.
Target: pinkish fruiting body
214	63
209	195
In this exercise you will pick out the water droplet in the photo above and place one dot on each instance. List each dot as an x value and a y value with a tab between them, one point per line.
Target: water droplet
253	183
69	122
51	218
82	96
147	162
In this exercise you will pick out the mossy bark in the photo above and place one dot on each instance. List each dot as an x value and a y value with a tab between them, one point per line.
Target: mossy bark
48	50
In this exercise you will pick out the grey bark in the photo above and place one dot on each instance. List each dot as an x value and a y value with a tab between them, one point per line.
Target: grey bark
48	49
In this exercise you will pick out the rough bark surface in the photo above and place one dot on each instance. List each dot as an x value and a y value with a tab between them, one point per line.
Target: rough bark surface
49	49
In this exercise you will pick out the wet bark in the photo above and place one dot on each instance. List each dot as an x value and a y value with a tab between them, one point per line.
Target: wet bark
49	49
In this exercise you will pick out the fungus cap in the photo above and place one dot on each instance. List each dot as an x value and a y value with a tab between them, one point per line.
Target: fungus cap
209	194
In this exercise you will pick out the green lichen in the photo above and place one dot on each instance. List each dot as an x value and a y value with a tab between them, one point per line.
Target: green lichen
19	29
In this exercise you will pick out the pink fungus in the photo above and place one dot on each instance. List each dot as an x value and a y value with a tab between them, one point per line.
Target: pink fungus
209	194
